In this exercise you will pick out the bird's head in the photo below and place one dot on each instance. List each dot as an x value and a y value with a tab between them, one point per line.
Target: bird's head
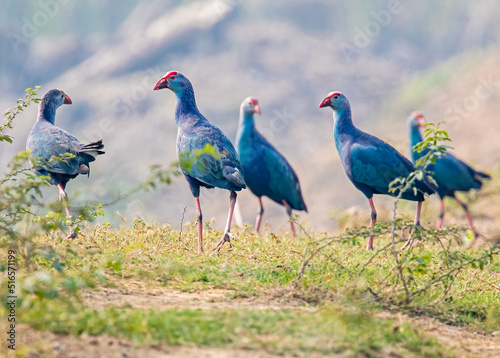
250	105
173	80
416	120
55	98
336	100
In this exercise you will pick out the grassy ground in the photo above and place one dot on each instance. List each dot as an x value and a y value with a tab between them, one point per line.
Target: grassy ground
320	294
335	308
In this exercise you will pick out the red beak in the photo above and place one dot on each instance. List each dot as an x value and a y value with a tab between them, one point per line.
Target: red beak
257	109
325	103
162	83
67	100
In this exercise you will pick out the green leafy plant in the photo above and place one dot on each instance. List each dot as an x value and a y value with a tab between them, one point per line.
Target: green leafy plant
11	113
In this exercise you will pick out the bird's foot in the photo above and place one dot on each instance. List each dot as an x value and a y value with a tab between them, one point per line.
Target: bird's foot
408	244
226	238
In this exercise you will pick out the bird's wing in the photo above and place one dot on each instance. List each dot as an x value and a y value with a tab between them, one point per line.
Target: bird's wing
232	168
206	154
454	174
51	141
377	165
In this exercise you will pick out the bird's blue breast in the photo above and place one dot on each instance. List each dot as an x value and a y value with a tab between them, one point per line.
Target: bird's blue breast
256	172
266	171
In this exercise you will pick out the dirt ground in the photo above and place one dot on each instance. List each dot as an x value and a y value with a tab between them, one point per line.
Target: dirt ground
47	344
464	342
159	298
50	345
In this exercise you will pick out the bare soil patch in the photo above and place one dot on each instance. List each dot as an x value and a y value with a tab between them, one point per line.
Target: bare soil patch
466	343
164	298
50	345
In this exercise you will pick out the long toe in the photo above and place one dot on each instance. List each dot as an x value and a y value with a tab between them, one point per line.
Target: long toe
407	245
226	238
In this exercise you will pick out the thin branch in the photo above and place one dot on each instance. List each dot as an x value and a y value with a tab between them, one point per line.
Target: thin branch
182	223
495	250
488	283
393	243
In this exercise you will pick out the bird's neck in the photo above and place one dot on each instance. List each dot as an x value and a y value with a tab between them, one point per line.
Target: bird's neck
246	125
186	104
46	112
342	122
415	138
342	126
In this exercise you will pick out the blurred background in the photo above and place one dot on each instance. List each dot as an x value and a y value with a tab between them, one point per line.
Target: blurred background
389	57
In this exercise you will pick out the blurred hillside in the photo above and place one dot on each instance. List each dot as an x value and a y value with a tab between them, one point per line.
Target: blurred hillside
389	60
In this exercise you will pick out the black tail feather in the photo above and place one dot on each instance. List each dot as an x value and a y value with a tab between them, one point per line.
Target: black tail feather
482	175
94	146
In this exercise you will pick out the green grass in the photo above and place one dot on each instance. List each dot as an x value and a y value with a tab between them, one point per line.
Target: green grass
351	298
346	292
331	329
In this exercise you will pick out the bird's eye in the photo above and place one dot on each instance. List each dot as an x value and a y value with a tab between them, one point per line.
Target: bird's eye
172	77
336	97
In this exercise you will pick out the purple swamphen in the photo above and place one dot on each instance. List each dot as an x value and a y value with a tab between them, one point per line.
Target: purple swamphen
449	172
206	156
266	171
47	141
370	163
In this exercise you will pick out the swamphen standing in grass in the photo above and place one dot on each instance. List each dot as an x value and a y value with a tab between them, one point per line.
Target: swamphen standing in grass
46	141
266	171
370	163
206	156
449	172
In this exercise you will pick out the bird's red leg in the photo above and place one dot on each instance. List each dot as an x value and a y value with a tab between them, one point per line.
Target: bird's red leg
469	219
440	220
259	216
62	197
373	220
199	220
232	203
289	212
227	234
416	223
